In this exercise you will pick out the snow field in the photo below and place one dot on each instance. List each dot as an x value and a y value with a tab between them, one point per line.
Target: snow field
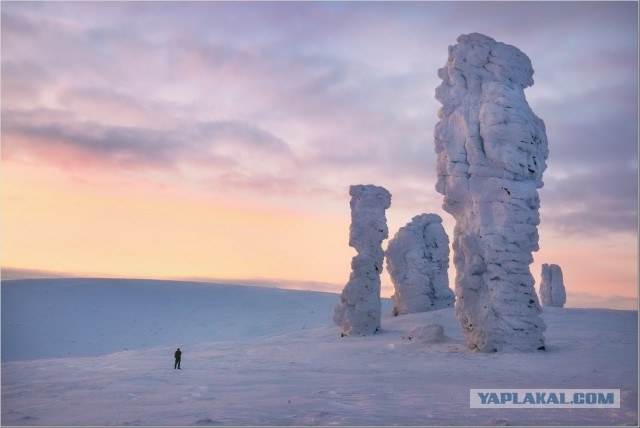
275	363
92	317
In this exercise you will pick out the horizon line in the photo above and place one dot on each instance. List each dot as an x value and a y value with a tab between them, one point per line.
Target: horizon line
577	299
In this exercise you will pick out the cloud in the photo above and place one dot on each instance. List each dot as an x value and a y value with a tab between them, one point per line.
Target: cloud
226	148
9	274
41	134
23	82
591	184
598	201
222	108
314	95
587	300
111	106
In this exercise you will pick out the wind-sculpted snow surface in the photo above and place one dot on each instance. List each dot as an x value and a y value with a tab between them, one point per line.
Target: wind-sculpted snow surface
280	364
359	310
491	151
552	291
417	260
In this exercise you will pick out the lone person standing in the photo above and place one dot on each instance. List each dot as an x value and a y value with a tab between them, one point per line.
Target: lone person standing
178	356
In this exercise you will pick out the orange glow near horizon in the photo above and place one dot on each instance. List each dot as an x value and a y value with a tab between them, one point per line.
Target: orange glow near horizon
608	270
52	222
192	150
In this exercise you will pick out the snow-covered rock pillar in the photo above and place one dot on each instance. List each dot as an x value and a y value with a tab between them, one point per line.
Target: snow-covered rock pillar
359	310
552	291
417	261
491	151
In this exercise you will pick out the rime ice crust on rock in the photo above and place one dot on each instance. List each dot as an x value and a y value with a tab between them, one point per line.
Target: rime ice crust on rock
359	310
432	333
552	291
417	260
491	151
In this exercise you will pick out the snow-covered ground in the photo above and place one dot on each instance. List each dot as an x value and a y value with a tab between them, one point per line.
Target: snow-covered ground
100	352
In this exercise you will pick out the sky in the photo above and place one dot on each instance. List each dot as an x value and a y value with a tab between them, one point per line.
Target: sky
218	140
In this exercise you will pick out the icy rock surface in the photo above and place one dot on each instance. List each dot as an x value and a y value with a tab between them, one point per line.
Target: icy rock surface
432	333
491	151
552	291
359	310
417	261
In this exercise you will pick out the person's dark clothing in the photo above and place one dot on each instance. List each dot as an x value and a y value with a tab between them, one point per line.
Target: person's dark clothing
178	356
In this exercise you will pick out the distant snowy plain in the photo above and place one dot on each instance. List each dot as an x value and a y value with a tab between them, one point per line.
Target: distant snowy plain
100	352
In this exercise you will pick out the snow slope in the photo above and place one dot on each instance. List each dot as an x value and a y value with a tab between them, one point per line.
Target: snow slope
256	356
89	317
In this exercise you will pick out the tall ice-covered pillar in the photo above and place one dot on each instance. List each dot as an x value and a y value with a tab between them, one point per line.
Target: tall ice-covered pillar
359	311
492	152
